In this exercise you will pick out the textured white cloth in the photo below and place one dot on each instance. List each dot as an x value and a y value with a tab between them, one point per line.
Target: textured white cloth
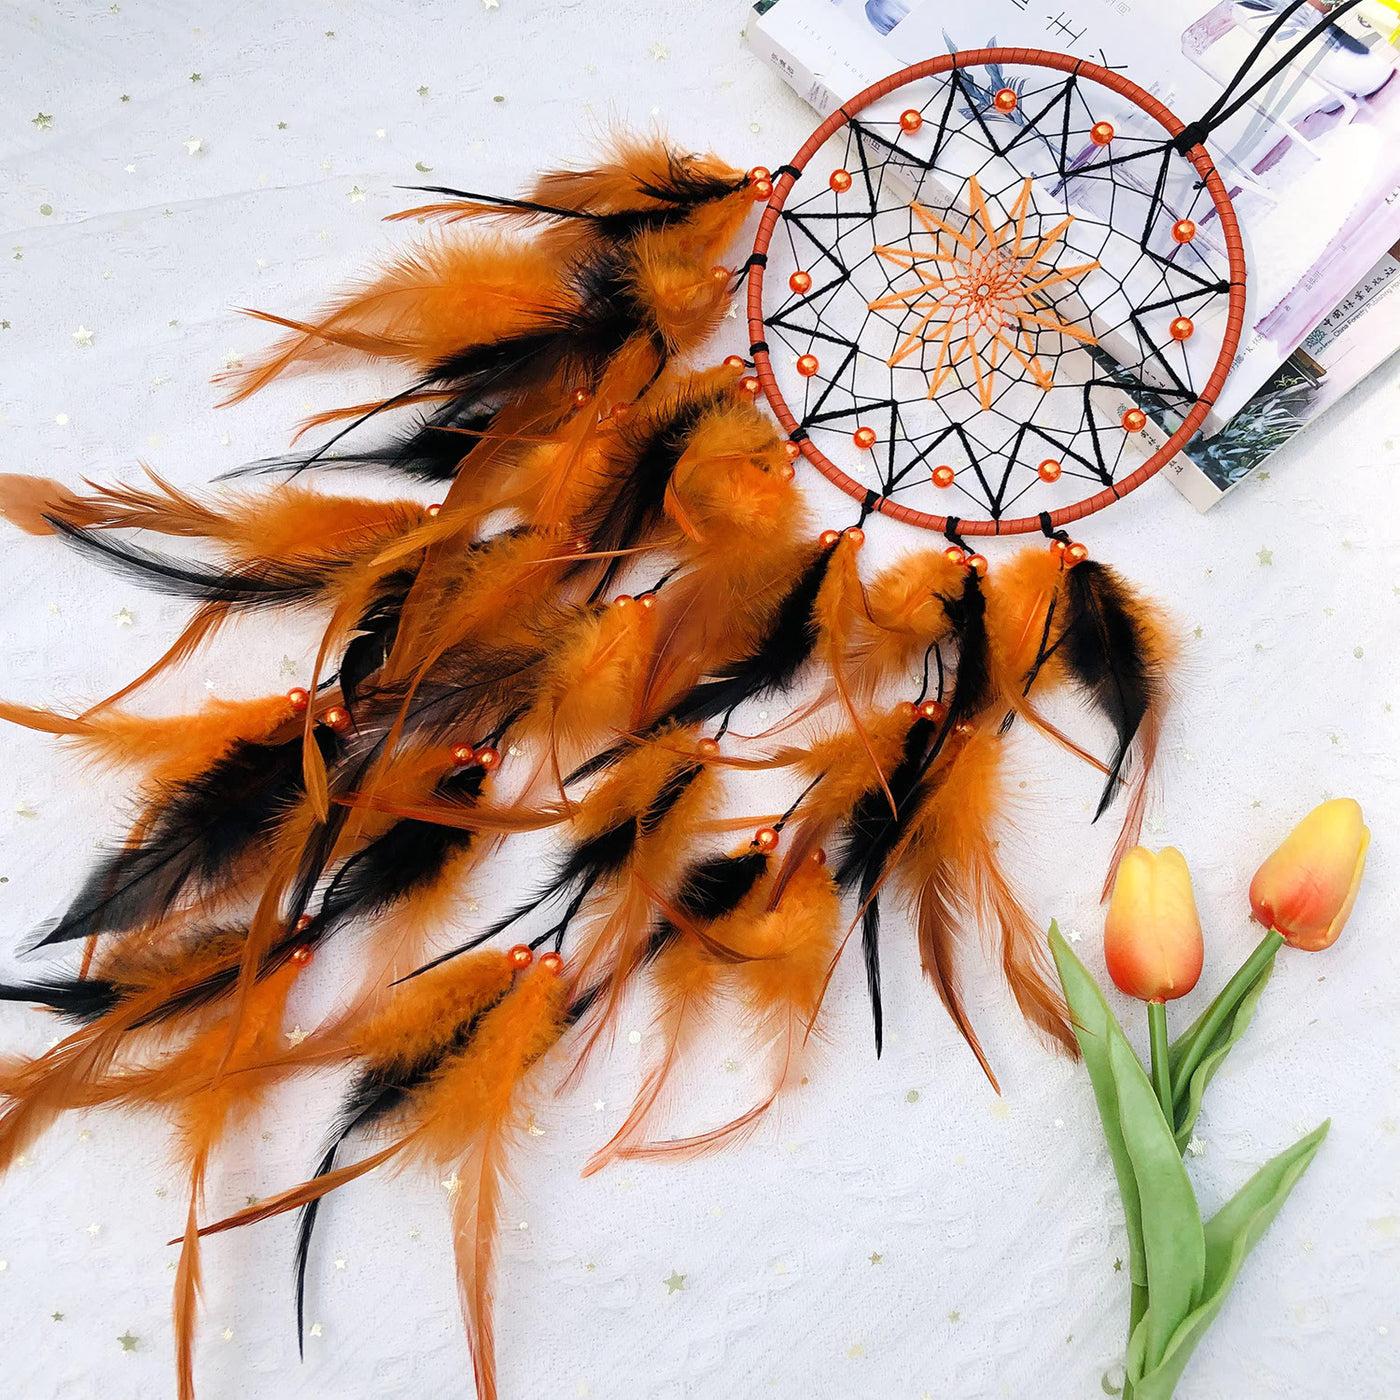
899	1231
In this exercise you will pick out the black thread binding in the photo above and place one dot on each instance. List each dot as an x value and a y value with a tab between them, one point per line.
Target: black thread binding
756	260
871	500
757	346
799	434
1192	134
788	170
1049	531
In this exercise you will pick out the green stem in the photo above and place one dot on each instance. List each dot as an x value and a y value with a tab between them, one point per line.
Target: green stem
1161	1057
1221	1009
1137	1306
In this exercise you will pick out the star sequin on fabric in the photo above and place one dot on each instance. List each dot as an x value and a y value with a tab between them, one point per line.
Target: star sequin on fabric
979	293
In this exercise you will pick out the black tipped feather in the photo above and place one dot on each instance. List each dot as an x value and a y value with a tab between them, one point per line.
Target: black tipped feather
82	999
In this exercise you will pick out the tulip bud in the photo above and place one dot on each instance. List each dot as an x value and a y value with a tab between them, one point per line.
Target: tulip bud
1152	938
1305	890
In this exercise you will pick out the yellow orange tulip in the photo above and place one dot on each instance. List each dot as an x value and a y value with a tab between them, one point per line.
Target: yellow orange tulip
1305	890
1152	938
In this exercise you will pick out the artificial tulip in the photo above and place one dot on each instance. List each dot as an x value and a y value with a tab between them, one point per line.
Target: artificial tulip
1152	937
1152	944
1305	890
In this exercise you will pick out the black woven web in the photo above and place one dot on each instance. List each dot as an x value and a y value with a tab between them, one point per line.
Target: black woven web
1124	198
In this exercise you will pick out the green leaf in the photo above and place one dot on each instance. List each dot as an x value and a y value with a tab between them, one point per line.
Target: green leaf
1091	1017
1229	1236
1188	1110
1172	1238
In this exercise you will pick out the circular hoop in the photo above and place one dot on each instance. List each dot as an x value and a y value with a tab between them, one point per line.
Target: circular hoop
973	58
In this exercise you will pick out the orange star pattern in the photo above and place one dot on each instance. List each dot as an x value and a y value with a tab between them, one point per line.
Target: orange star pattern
979	293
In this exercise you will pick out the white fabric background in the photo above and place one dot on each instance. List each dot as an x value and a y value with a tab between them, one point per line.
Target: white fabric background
900	1232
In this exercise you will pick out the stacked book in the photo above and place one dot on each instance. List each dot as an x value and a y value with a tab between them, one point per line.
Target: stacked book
1312	165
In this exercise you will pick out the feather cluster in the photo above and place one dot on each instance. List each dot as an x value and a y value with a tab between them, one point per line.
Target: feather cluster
620	562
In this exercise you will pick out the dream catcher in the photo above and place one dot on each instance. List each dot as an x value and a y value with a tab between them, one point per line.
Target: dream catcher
968	291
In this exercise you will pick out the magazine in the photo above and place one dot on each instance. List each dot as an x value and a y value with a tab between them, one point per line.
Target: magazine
1313	164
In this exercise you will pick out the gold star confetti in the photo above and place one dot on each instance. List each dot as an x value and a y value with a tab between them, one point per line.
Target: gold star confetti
43	121
955	1316
980	293
1117	1266
534	1128
94	1229
634	1037
57	1317
126	97
415	1233
128	1341
196	77
232	359
82	336
85	1135
598	1105
316	1329
421	168
227	1334
659	51
194	145
4	325
490	4
855	1351
23	809
252	1200
876	1258
340	1263
1265	557
124	618
674	1284
296	1035
357	195
423	91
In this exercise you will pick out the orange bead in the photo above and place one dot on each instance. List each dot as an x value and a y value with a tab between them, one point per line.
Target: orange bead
487	757
553	963
303	923
521	956
863	437
955	554
646	601
807	365
935	710
302	954
298	699
434	510
623	600
581	397
827	538
720	275
620	411
906	709
1134	420
1049	470
1183	230
760	172
762	189
337	719
978	564
1057	546
800	282
749	384
787	471
1076	553
943	476
1181	328
791	451
733	362
1005	100
1101	133
819	856
766	838
854	536
708	748
840	181
911	120
463	755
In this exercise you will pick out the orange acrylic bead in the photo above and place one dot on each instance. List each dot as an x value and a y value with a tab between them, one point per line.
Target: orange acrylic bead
337	719
720	275
646	601
827	538
298	699
1101	133
800	281
854	536
956	555
434	510
1005	100
791	451
620	411
787	471
935	710
749	384
487	757
553	963
819	856
1049	470
762	189
708	748
906	709
943	476
807	365
302	954
1076	553
1057	546
1183	230
303	923
863	437
733	362
1181	328
766	838
911	119
463	755
1134	420
840	181
760	172
521	955
623	600
978	564
581	397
